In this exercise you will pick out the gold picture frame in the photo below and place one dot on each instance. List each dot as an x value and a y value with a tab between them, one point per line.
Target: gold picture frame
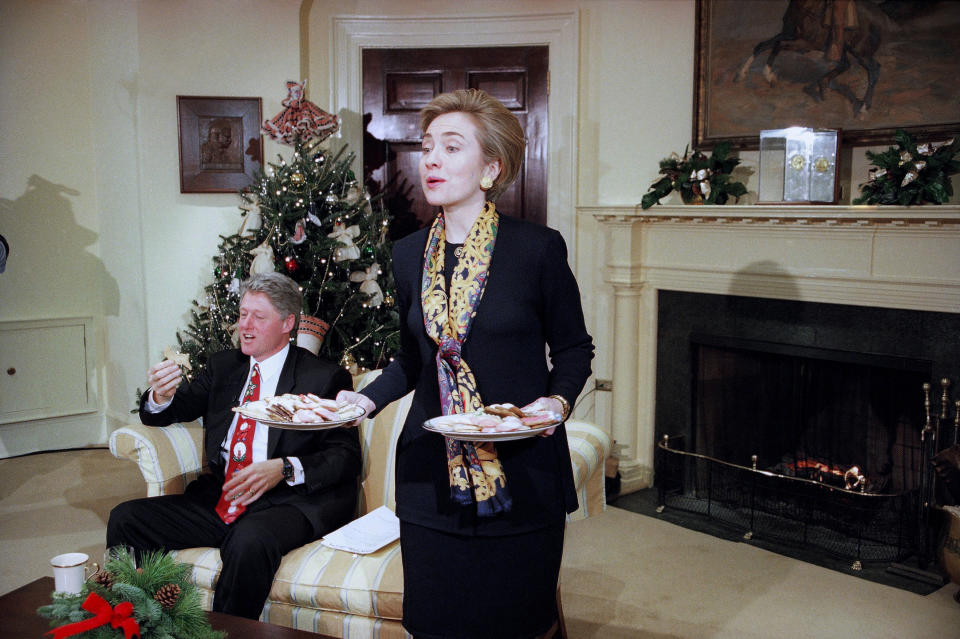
755	71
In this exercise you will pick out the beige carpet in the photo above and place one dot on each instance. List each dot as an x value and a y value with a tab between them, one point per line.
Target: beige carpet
624	574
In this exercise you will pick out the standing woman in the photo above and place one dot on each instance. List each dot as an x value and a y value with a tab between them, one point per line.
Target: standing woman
489	313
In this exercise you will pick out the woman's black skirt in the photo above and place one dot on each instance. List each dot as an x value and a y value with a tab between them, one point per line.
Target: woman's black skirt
460	587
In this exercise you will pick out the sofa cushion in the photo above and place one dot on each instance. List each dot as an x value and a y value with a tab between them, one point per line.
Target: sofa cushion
317	577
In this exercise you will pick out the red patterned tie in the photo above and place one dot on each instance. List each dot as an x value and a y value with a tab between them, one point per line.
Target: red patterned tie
241	449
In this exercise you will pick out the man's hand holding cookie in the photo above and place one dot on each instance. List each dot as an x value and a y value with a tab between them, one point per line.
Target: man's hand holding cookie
164	379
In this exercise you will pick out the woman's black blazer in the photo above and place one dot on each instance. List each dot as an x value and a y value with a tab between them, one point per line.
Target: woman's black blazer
528	340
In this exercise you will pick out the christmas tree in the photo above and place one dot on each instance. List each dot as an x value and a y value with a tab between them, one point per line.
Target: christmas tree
310	218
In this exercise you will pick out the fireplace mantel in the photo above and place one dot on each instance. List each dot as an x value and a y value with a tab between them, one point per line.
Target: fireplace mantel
893	257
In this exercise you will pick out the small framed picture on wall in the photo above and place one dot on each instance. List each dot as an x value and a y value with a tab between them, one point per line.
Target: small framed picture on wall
221	149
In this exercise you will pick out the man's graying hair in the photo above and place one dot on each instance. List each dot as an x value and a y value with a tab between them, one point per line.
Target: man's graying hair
282	292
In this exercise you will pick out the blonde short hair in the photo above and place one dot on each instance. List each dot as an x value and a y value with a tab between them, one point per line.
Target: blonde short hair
498	131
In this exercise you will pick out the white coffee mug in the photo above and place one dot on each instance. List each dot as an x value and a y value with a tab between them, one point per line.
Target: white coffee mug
69	572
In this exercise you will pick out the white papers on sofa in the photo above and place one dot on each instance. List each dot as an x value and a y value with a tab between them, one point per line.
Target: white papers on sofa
366	534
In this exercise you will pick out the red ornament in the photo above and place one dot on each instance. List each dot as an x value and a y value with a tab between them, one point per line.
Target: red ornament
291	263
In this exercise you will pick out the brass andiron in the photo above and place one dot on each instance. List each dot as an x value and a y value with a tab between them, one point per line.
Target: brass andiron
854	478
956	422
944	399
942	419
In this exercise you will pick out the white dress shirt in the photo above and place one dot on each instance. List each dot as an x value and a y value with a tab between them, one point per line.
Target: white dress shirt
270	369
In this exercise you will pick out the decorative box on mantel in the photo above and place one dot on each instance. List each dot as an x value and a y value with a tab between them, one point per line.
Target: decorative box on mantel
891	257
799	165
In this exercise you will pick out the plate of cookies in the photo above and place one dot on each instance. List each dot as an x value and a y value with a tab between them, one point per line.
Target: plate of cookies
300	412
495	423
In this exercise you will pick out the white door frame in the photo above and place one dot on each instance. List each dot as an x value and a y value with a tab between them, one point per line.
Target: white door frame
559	31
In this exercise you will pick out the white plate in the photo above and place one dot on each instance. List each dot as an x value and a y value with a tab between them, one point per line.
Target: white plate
356	413
506	436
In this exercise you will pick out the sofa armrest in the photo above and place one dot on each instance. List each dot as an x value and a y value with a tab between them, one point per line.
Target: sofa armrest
169	458
589	449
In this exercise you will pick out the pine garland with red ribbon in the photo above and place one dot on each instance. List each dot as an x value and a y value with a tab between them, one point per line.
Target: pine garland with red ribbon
152	600
118	616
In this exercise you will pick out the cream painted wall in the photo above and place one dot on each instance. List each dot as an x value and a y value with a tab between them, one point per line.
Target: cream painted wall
89	185
49	210
47	181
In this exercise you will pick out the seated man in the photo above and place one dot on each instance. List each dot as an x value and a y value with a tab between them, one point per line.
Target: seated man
268	490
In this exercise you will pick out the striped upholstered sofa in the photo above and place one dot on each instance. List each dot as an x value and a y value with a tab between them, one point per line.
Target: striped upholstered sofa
318	588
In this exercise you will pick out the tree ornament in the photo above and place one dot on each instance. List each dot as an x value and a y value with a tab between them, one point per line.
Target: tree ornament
331	199
350	363
297	179
262	258
388	300
299	232
168	596
313	213
353	194
291	264
301	119
369	285
344	235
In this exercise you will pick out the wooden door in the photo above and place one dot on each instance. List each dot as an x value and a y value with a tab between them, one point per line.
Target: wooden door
397	83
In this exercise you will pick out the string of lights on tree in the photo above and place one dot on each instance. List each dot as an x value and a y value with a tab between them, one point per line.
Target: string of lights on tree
306	216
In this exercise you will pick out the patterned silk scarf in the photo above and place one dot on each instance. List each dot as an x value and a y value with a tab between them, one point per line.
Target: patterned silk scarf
476	475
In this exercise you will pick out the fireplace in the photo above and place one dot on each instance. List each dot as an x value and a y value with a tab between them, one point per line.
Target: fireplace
881	281
798	421
842	258
837	340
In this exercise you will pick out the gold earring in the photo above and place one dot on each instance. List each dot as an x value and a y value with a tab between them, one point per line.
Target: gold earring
486	182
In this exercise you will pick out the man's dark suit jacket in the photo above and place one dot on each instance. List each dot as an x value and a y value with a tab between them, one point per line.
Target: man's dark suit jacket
531	303
331	458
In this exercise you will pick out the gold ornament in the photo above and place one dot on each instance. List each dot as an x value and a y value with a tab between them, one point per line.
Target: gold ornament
350	363
297	179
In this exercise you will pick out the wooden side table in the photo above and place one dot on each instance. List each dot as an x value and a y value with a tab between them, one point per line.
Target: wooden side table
19	618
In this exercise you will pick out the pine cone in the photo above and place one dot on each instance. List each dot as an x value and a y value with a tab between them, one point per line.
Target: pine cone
167	596
103	578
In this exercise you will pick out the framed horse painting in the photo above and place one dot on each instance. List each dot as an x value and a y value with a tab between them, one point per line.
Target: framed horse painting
866	67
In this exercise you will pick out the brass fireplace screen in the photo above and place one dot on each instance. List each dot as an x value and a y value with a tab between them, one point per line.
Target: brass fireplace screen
816	510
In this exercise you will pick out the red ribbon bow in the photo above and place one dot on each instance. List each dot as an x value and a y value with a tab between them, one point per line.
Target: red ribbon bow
118	617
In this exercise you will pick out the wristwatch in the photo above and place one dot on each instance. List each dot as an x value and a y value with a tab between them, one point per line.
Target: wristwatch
287	470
